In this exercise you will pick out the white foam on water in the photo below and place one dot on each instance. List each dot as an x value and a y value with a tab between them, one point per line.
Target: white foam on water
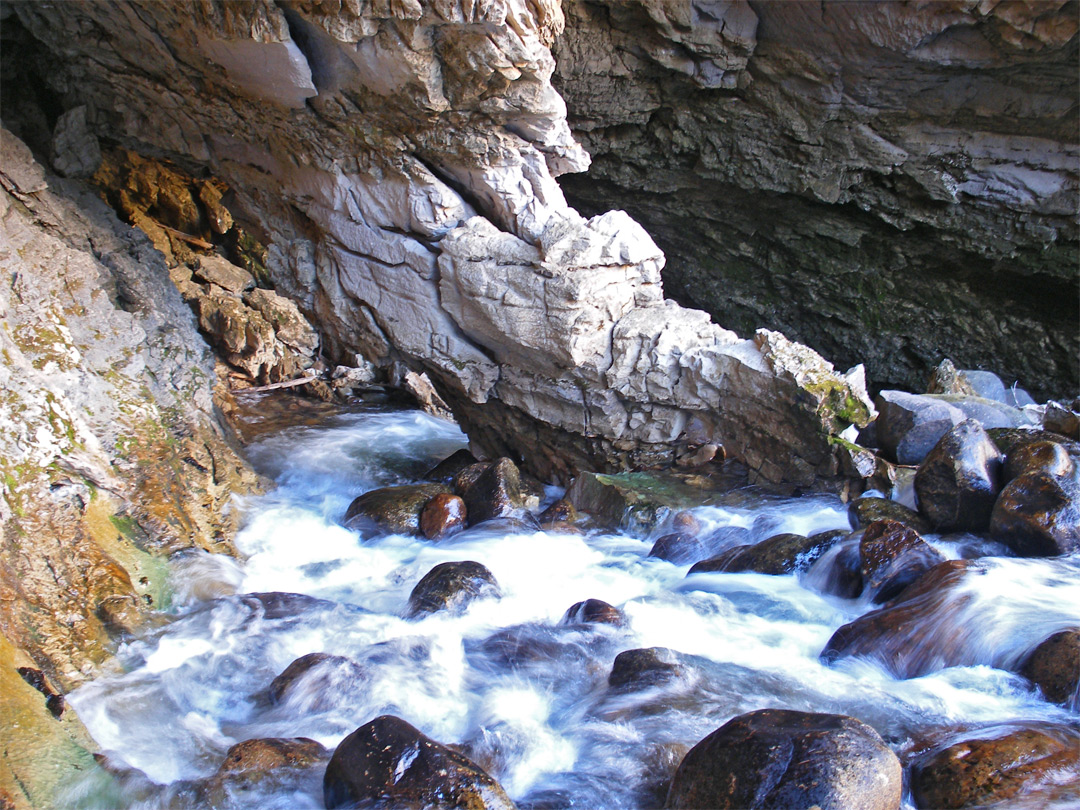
527	697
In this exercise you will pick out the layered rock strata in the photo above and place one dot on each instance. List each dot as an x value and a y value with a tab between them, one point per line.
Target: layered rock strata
889	182
399	161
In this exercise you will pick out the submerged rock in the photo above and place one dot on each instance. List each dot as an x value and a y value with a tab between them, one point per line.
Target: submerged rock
773	758
252	762
645	667
318	680
593	611
1054	666
392	509
958	482
891	557
451	586
389	763
1039	765
679	548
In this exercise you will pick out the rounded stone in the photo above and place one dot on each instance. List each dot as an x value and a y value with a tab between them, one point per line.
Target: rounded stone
639	668
679	548
389	763
891	557
593	611
1054	666
783	553
317	679
451	586
775	758
443	516
864	511
959	480
1038	515
392	509
1051	458
997	768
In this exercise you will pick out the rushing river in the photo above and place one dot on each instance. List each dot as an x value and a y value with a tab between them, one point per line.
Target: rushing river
526	696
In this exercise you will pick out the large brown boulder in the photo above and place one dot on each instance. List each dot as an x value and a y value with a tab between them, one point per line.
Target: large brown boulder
254	767
999	766
452	586
1054	666
493	492
783	553
392	509
1037	514
389	763
315	680
959	480
443	516
864	511
774	758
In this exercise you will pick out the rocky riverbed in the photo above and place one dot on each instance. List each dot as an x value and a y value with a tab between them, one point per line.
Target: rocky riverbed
626	549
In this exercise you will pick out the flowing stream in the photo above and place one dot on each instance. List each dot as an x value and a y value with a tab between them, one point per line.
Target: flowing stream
526	696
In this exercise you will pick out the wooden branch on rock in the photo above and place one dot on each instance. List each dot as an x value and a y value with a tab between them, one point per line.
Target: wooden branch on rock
191	240
275	386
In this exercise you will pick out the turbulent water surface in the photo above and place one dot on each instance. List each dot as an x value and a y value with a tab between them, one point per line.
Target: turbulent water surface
526	696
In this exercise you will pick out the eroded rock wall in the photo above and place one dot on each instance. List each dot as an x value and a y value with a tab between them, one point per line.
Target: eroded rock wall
112	455
891	183
399	161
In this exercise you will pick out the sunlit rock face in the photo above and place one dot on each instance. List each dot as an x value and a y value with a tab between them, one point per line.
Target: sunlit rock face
890	183
399	160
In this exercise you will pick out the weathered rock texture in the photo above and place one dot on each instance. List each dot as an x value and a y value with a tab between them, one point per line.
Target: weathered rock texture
399	161
111	455
890	183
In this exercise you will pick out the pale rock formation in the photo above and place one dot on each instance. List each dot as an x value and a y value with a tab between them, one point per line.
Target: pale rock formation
411	211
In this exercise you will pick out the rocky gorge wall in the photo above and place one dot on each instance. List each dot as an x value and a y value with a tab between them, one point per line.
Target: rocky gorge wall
399	161
890	183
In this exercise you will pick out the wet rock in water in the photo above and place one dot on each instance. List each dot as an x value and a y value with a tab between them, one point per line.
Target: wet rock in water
774	758
283	605
316	680
864	511
389	763
718	563
561	515
783	553
909	425
844	579
1038	514
492	493
921	632
593	611
1008	439
251	762
1037	764
445	471
959	480
634	501
1050	458
392	509
679	548
443	516
452	586
1054	666
644	667
891	557
1063	418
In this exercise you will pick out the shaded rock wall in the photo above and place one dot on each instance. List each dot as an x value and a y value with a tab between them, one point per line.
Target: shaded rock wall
890	183
399	161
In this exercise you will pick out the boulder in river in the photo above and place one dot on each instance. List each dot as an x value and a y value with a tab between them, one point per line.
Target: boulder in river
1051	458
1054	666
451	586
593	611
891	557
252	763
783	553
491	492
443	516
316	679
389	763
446	470
959	480
392	509
993	767
1037	514
679	548
909	425
775	758
643	667
864	511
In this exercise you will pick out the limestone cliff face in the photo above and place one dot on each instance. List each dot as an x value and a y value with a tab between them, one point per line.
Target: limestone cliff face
399	161
891	183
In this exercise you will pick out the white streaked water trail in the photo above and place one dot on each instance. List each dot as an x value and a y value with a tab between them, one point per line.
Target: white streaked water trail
526	696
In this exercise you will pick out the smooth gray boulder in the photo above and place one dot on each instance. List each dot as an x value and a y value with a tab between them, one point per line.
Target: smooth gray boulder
909	425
